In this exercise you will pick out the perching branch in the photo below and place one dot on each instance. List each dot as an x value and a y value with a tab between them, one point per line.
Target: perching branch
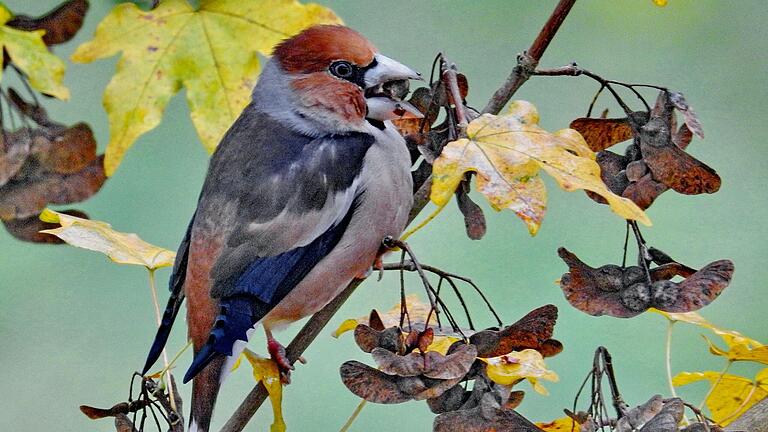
526	66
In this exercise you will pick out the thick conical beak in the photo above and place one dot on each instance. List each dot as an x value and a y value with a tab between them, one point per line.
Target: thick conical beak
382	98
386	70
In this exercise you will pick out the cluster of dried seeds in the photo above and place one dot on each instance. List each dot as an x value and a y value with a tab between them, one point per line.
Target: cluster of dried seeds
454	385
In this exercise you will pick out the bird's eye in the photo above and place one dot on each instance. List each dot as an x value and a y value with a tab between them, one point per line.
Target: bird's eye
342	69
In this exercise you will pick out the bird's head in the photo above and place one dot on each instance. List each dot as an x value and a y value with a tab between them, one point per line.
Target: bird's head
337	78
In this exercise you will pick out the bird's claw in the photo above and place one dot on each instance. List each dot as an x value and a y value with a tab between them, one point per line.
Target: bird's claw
278	355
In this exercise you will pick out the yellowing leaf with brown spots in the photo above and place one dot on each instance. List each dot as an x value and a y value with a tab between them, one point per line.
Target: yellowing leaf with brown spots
565	424
510	368
211	51
30	54
731	396
265	370
508	151
122	248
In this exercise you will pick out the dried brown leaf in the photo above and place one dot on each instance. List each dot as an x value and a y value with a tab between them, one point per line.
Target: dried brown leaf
530	332
691	119
671	165
644	191
430	364
450	400
14	150
69	151
424	339
602	133
60	25
420	98
703	287
374	320
371	384
488	416
452	366
515	399
433	387
639	415
636	170
670	270
28	229
366	337
28	197
583	289
667	419
612	173
683	137
392	364
474	219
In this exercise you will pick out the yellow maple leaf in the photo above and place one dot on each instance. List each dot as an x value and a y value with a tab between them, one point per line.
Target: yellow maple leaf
30	54
510	368
508	151
211	51
122	248
660	3
740	347
731	395
565	424
265	370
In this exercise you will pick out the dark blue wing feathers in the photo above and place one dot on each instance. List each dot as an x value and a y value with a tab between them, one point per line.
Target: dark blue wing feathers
260	288
175	285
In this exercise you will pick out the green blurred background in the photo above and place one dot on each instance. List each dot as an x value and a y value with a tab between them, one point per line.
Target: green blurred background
73	326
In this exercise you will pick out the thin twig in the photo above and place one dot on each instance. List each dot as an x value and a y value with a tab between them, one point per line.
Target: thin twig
318	321
409	266
450	80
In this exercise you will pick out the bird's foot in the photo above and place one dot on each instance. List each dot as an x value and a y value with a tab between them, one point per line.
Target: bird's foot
378	265
278	355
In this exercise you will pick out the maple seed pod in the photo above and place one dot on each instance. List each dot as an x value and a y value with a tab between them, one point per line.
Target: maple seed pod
632	275
664	293
397	89
632	153
609	278
636	170
637	297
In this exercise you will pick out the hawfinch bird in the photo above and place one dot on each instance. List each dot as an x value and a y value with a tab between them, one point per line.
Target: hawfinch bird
298	197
